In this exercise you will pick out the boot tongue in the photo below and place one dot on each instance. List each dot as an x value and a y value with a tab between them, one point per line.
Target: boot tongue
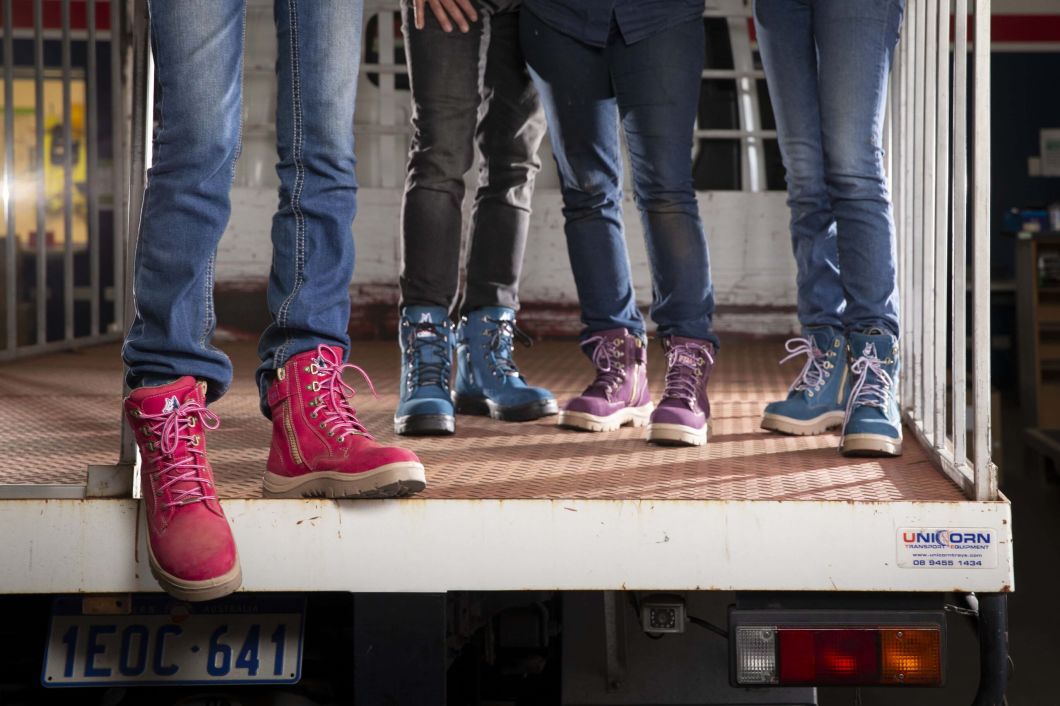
165	399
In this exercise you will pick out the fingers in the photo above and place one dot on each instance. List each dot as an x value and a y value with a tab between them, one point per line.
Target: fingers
468	9
417	13
449	11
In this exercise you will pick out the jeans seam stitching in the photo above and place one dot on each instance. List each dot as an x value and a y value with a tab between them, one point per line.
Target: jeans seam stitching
239	134
296	190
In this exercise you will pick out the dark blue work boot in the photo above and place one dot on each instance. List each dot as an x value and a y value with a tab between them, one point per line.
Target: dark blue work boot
426	336
873	423
487	381
817	399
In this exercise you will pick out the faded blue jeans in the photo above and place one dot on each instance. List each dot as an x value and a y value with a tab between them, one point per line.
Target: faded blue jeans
198	51
651	89
827	64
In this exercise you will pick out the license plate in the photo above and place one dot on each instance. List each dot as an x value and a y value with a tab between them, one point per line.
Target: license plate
245	639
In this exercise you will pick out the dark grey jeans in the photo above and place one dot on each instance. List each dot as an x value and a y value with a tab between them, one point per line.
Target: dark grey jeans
469	92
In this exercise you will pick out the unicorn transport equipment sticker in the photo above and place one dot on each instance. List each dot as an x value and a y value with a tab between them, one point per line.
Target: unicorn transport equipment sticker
947	548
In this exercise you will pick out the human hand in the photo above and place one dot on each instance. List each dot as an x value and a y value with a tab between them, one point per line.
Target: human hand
447	12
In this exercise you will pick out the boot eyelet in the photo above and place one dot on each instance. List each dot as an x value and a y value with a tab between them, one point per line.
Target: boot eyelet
192	421
145	430
809	393
331	433
323	424
313	415
137	413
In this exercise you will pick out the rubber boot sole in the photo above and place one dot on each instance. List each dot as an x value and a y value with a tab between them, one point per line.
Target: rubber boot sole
485	407
425	425
676	435
870	445
394	480
583	421
195	591
803	427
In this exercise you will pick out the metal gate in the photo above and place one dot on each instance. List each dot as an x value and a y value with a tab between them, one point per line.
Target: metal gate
937	120
63	185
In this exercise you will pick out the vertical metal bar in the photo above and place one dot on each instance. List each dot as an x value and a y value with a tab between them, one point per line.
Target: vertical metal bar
752	149
39	162
942	241
985	472
141	113
68	184
387	112
960	231
117	158
927	241
91	186
917	327
906	201
10	253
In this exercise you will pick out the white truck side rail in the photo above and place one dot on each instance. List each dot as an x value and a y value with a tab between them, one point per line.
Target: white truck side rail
927	122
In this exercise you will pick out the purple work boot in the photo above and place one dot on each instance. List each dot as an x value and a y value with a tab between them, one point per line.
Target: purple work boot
682	415
619	393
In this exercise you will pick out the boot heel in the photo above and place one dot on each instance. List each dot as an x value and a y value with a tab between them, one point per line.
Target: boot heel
471	405
640	416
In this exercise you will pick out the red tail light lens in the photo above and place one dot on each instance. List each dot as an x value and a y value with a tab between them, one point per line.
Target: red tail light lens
828	656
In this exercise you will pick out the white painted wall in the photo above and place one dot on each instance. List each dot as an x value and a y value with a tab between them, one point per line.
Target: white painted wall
750	253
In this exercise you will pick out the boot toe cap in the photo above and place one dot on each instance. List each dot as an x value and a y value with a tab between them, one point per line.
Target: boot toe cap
668	414
424	406
196	546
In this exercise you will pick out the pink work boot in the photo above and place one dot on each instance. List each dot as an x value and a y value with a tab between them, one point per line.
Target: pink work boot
190	545
319	447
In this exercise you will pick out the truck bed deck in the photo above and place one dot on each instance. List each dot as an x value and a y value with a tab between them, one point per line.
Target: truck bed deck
508	506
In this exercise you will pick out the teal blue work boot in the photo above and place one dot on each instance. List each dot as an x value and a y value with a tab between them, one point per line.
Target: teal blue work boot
426	337
817	399
487	381
873	424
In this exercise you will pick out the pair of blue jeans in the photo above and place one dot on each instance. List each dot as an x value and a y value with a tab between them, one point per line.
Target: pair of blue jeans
827	64
198	52
651	89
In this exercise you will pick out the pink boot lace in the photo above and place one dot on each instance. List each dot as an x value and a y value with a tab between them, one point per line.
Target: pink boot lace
171	428
340	418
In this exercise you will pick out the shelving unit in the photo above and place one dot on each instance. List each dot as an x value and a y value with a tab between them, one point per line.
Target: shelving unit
1038	307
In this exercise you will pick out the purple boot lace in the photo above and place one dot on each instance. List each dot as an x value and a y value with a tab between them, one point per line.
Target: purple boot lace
813	372
685	365
610	368
865	393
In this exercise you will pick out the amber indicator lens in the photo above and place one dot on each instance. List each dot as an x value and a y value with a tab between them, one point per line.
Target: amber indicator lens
911	656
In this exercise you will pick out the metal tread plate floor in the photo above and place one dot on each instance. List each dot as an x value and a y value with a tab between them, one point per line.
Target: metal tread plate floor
60	413
509	506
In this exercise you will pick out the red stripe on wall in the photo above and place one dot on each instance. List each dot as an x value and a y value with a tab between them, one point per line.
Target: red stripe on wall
1010	29
22	15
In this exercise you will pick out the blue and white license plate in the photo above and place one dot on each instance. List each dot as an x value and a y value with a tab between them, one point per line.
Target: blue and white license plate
244	639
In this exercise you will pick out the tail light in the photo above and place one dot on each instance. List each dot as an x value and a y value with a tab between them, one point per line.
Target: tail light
843	652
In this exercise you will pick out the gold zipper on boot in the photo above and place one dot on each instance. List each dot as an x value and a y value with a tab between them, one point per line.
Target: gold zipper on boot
636	386
288	425
842	385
